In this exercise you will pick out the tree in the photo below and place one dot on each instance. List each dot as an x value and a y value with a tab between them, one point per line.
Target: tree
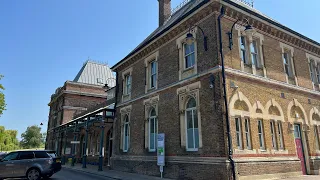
8	139
2	100
32	138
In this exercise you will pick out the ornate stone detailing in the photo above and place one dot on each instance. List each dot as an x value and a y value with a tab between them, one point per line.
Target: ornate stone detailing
126	110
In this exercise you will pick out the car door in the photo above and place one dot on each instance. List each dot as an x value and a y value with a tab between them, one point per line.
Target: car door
7	165
24	161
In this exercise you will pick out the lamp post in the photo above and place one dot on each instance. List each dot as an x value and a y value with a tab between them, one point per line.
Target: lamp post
249	32
190	39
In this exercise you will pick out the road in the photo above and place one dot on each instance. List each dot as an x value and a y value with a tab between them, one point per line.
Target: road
67	174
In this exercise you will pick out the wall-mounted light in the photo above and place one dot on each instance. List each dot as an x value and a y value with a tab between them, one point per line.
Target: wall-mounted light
190	39
248	31
233	85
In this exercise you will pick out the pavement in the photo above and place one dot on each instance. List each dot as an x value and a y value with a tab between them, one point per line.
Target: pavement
111	174
309	177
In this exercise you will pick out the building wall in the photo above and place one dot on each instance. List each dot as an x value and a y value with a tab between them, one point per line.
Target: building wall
63	107
211	157
290	104
262	91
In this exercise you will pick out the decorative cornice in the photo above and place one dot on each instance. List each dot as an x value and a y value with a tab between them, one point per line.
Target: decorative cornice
273	29
258	21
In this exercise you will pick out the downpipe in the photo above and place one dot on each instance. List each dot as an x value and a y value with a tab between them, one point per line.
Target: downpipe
222	12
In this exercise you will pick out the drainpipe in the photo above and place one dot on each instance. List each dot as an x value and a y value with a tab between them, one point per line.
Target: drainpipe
225	95
113	129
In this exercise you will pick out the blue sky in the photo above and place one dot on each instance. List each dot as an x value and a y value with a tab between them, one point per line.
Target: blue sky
44	43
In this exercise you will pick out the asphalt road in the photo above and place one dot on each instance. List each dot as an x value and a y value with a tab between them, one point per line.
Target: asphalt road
68	174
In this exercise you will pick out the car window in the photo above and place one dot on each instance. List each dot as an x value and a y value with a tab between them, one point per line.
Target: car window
52	154
26	155
41	154
11	156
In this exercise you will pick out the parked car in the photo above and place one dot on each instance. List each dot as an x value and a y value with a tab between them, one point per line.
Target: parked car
2	155
32	164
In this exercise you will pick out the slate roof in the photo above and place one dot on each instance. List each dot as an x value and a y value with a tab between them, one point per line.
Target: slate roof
192	6
95	73
175	18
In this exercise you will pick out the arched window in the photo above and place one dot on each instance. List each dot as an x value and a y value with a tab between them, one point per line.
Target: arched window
192	125
126	134
153	130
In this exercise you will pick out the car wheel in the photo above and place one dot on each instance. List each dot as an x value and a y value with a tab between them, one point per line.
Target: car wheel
33	174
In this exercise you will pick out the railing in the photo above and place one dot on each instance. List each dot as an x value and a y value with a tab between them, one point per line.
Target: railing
179	6
246	2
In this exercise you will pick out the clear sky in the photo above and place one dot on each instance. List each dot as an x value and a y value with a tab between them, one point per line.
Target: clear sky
43	43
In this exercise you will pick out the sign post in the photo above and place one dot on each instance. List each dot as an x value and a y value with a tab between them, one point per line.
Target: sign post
161	151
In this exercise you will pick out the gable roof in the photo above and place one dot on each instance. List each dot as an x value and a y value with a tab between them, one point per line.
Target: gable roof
191	7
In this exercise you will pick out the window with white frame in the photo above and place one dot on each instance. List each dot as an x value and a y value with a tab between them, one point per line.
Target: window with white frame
312	70
189	55
192	134
126	135
153	74
238	132
280	135
247	132
127	89
261	134
287	62
243	49
153	130
316	135
254	53
273	135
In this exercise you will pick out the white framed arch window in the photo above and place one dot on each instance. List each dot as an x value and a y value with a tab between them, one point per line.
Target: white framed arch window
126	133
191	121
190	116
152	130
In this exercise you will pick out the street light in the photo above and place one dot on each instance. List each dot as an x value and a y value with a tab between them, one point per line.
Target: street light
248	31
190	39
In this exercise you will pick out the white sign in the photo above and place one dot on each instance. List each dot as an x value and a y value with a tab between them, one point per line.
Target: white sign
68	151
75	142
160	150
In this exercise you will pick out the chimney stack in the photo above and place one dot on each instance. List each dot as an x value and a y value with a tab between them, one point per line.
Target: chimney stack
164	11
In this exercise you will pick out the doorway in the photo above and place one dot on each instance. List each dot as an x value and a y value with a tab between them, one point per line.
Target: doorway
299	147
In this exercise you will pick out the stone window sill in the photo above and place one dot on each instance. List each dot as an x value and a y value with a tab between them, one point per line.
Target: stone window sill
188	69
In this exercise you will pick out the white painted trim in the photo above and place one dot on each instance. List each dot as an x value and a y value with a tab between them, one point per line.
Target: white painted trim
304	120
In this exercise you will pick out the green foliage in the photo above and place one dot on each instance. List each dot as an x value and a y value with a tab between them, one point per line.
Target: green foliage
32	138
2	100
8	140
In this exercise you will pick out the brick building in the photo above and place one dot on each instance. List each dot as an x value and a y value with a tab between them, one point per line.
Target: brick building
173	86
75	97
